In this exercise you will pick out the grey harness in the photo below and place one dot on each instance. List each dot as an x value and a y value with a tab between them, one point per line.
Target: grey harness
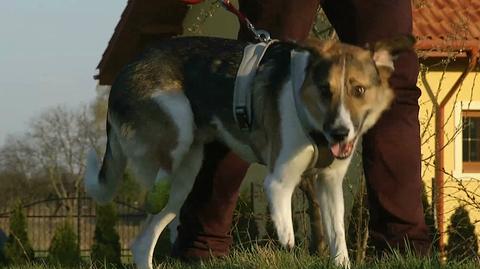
242	93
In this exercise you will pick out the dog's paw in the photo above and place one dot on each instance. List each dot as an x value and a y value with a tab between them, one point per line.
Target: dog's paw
342	260
286	237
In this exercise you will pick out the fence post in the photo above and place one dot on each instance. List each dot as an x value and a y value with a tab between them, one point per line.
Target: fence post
79	235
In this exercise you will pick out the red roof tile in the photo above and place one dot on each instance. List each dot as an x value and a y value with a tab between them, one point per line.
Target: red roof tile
446	24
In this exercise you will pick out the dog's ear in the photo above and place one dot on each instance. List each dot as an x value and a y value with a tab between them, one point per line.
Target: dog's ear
386	51
298	67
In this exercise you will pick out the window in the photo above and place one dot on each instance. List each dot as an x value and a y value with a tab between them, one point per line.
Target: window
471	141
467	140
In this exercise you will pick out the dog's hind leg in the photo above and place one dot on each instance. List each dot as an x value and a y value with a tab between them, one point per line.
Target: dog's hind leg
182	180
102	183
330	196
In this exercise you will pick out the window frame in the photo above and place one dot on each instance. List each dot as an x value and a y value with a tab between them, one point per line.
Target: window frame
464	170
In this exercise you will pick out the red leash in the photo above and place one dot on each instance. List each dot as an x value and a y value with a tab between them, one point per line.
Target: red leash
261	35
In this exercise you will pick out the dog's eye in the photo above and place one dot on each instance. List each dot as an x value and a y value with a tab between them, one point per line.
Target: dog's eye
358	91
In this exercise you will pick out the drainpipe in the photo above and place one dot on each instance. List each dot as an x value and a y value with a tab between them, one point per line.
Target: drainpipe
472	54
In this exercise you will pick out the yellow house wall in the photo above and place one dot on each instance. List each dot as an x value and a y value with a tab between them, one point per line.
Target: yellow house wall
441	83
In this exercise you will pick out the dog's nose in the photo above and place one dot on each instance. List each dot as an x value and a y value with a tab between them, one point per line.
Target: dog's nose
339	134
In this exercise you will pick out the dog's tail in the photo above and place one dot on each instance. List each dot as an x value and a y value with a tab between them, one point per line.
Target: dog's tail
102	183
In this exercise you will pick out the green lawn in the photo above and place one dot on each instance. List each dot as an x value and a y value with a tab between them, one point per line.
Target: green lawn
265	257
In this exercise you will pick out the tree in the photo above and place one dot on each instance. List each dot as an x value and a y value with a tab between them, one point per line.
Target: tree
53	149
18	249
462	240
106	246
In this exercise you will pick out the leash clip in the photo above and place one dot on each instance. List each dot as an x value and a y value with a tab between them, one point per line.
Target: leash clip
260	35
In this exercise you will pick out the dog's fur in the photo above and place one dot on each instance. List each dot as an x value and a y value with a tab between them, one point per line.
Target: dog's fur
177	96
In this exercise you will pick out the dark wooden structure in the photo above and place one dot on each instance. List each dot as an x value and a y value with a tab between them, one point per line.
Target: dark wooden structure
141	22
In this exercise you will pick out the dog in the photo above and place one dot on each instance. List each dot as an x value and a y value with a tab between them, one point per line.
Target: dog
177	96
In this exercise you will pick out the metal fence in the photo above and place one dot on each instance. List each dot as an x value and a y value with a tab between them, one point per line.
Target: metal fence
44	216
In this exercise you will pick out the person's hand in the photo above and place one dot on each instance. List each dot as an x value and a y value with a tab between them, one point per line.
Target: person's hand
191	2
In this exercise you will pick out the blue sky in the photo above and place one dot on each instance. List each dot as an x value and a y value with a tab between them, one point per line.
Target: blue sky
49	50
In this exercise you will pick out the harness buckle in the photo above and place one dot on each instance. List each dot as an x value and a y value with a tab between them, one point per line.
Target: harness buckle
243	121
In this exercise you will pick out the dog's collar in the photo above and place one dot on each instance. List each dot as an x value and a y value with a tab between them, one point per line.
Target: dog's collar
242	92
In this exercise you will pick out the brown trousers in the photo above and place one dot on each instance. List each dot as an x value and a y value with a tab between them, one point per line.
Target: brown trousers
391	149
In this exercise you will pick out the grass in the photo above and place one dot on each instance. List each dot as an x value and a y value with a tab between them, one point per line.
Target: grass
269	257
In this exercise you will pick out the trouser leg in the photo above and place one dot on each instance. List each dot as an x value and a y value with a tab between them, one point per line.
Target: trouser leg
391	149
206	216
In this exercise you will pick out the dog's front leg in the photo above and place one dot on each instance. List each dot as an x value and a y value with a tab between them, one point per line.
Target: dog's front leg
330	196
279	186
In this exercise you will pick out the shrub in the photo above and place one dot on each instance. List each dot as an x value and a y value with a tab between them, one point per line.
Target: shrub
357	233
430	220
64	247
3	240
462	241
130	190
245	230
18	249
106	246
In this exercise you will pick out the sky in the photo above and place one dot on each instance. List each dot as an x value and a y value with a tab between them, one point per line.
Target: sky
49	51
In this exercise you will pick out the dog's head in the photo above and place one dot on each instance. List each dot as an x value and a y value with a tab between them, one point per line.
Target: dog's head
344	89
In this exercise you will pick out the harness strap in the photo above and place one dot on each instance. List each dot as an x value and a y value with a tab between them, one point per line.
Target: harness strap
242	94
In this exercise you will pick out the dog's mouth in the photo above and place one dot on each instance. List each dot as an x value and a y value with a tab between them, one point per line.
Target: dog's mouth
342	150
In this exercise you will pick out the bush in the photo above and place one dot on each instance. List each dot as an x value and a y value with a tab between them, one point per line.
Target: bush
357	233
245	230
106	246
64	247
130	190
18	249
430	220
462	241
3	240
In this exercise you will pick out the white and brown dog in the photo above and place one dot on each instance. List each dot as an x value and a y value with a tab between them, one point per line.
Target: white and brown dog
178	95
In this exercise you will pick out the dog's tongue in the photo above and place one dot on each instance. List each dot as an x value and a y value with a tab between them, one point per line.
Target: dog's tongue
341	150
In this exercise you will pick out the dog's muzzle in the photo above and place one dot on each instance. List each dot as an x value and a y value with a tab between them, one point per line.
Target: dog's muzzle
339	146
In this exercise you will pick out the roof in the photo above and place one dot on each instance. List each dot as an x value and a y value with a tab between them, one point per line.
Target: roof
446	25
141	21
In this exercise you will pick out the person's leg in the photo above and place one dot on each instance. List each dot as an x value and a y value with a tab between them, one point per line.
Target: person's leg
206	216
391	149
